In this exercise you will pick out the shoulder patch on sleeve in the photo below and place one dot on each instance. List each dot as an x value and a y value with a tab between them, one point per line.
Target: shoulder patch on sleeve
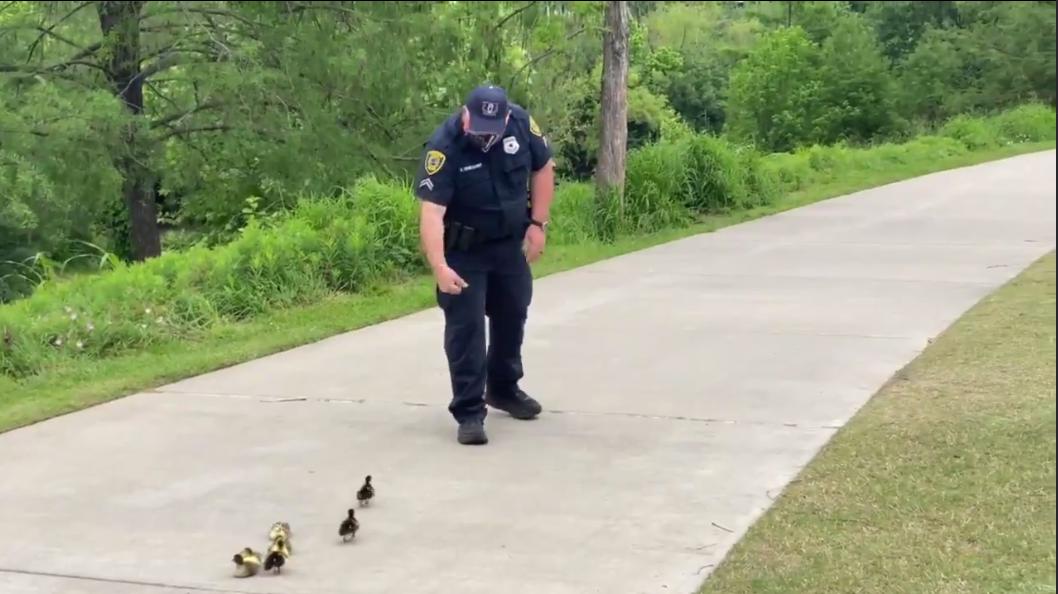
534	127
435	160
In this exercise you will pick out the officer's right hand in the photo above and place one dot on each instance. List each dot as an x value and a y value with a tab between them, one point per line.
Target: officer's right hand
449	281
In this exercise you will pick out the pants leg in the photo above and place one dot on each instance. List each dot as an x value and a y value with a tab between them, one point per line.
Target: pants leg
510	291
464	341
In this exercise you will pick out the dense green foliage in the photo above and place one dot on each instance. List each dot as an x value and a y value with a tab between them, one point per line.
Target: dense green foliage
210	113
269	145
368	235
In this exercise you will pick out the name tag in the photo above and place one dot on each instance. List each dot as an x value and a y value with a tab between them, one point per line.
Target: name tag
467	168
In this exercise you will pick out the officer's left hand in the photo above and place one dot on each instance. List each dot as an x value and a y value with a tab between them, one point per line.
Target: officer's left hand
535	238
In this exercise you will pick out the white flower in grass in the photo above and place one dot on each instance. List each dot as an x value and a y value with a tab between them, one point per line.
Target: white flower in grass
161	320
143	326
147	311
80	344
90	326
73	316
58	341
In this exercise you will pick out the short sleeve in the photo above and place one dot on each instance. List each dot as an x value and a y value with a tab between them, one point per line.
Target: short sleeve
539	147
433	181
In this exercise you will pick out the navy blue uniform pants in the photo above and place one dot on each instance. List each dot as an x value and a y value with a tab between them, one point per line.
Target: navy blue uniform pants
501	288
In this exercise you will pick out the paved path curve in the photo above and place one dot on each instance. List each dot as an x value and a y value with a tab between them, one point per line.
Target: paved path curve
685	386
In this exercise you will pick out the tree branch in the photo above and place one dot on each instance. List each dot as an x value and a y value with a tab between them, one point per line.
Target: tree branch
153	87
193	129
165	62
39	133
172	118
88	51
64	65
172	49
54	68
550	50
51	31
44	32
513	14
202	11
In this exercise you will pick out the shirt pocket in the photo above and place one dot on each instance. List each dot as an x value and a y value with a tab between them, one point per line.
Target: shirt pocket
474	186
517	167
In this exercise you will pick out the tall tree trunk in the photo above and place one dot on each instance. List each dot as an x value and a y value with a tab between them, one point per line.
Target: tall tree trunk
613	142
120	24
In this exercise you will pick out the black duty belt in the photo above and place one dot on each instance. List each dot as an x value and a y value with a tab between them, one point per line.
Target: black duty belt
462	237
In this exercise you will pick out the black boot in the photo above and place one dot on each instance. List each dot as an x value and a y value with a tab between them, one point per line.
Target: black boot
519	404
472	432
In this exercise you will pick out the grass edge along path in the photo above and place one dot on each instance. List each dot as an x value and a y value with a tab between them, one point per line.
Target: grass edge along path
79	385
944	482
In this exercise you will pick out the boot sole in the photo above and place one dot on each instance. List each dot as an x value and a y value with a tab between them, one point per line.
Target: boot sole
518	415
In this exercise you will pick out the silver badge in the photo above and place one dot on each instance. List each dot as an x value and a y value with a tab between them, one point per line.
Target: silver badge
510	145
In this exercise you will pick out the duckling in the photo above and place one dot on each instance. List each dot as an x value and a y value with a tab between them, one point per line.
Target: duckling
347	529
247	563
281	530
366	492
278	553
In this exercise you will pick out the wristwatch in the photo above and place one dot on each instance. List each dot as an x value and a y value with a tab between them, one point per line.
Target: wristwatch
541	224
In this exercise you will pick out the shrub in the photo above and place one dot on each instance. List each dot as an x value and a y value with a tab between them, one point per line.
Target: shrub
761	183
657	188
573	211
1026	123
791	171
717	183
323	245
369	233
974	132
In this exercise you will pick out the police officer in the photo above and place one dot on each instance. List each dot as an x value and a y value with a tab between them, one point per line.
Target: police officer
485	184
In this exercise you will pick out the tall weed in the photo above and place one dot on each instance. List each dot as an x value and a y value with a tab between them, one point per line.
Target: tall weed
974	132
324	245
1026	123
369	233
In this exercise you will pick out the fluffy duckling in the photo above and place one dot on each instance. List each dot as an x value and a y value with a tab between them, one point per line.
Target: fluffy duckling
247	563
347	529
366	492
278	553
281	530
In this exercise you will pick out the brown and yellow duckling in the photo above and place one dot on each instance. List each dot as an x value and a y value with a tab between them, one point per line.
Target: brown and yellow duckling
278	553
281	530
366	492
247	563
347	529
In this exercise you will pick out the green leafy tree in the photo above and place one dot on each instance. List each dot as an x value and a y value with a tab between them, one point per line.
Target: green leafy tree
856	83
776	95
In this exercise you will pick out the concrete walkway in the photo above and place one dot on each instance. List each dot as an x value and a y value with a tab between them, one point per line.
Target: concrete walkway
685	385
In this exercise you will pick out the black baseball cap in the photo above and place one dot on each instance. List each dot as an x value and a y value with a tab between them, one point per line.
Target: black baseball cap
488	109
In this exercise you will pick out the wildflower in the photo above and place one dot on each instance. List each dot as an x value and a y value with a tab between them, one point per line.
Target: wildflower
73	316
80	344
147	311
161	320
90	326
58	341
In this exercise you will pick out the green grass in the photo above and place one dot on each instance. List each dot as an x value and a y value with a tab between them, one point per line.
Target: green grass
74	384
943	483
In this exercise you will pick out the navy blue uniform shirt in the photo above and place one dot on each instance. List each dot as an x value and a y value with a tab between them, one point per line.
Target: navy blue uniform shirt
482	188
